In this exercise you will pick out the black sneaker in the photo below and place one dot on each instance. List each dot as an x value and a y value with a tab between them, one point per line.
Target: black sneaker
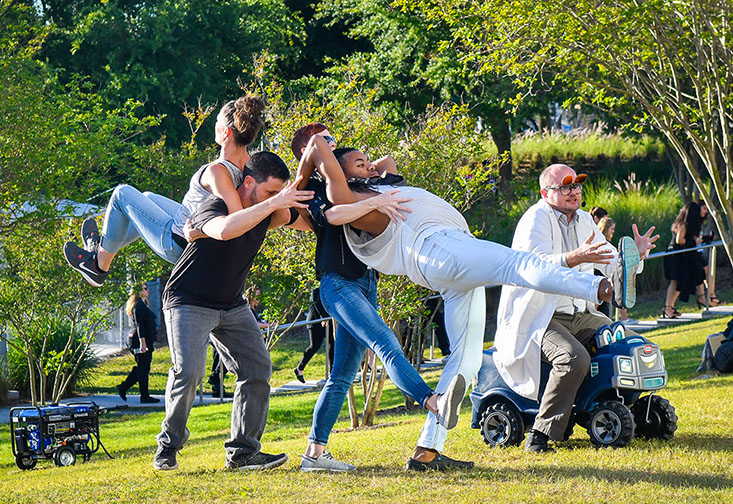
259	460
149	400
439	463
537	442
299	375
165	458
85	263
90	234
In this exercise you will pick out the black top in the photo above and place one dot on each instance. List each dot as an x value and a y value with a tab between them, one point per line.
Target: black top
211	273
143	319
332	252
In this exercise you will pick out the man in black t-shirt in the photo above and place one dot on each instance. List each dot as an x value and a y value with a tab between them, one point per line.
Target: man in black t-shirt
204	296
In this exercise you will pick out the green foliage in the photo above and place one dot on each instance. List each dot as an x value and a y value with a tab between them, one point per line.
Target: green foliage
166	54
49	339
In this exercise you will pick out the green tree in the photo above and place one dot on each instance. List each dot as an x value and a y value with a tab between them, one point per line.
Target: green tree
167	54
671	60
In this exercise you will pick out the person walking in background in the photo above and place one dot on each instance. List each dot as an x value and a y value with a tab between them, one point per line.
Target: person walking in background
159	221
708	235
607	226
684	271
143	340
317	332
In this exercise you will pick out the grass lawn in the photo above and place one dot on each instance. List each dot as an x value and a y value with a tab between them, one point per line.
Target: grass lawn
695	466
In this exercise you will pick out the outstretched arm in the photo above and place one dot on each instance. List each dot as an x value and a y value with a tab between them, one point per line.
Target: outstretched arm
387	203
238	223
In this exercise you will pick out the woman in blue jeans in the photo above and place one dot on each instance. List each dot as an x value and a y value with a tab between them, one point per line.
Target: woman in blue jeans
158	220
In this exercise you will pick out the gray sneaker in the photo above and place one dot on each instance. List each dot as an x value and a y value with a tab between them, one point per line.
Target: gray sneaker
449	404
324	462
624	278
165	458
259	460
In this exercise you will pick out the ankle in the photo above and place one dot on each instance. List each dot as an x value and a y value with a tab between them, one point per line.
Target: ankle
314	450
424	454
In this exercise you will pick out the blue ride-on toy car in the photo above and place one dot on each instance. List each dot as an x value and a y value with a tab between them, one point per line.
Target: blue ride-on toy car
609	403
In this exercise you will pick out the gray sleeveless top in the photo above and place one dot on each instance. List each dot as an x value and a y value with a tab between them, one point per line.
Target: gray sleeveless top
196	193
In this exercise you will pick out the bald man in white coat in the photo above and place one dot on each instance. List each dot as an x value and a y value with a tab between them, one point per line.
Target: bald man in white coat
533	326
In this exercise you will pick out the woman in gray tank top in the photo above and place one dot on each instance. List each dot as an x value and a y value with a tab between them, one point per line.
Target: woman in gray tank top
158	220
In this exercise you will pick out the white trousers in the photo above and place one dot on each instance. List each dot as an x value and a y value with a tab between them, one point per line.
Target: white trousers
458	266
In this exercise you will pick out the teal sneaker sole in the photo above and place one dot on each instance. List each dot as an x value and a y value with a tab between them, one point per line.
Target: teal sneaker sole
629	257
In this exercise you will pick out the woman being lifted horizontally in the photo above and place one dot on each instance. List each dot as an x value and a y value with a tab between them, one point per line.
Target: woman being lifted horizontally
158	220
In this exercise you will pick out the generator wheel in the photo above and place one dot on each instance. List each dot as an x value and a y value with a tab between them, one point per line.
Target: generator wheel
662	422
501	425
64	456
611	425
25	461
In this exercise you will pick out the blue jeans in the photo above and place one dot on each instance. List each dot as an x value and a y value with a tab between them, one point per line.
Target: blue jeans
353	303
131	215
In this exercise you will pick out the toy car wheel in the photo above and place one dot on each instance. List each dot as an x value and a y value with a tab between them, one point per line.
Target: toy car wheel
25	461
502	425
662	422
64	456
611	425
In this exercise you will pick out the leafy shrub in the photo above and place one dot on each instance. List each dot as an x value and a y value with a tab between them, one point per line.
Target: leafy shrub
59	333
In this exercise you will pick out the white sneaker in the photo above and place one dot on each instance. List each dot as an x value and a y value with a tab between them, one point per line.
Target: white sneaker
449	404
629	321
324	462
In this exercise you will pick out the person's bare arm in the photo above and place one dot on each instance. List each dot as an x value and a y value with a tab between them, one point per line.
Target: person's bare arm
238	223
387	203
218	181
385	165
318	155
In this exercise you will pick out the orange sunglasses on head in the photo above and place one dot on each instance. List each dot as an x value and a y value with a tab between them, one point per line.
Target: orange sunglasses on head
579	179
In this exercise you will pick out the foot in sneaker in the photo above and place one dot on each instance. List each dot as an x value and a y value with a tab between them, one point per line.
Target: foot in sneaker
324	462
90	234
85	263
165	458
259	460
439	463
449	404
624	278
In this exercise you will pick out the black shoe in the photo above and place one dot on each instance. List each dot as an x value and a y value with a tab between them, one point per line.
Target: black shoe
149	400
85	263
439	463
90	234
537	442
259	460
121	392
215	393
165	458
299	375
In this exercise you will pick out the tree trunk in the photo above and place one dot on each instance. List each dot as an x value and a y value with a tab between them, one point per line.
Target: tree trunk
502	137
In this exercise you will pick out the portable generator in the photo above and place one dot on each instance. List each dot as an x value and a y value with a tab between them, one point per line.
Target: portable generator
60	432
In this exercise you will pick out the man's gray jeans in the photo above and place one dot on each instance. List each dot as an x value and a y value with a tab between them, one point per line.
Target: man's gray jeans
236	336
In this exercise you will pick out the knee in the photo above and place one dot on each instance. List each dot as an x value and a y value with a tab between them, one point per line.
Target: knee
148	194
120	192
187	375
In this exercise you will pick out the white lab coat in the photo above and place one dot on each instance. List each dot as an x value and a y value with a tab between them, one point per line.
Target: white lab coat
524	314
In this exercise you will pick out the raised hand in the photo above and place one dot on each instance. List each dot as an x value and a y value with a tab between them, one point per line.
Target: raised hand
590	252
290	196
644	242
391	205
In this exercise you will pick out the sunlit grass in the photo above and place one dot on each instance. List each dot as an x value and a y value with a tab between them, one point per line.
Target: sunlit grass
695	466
